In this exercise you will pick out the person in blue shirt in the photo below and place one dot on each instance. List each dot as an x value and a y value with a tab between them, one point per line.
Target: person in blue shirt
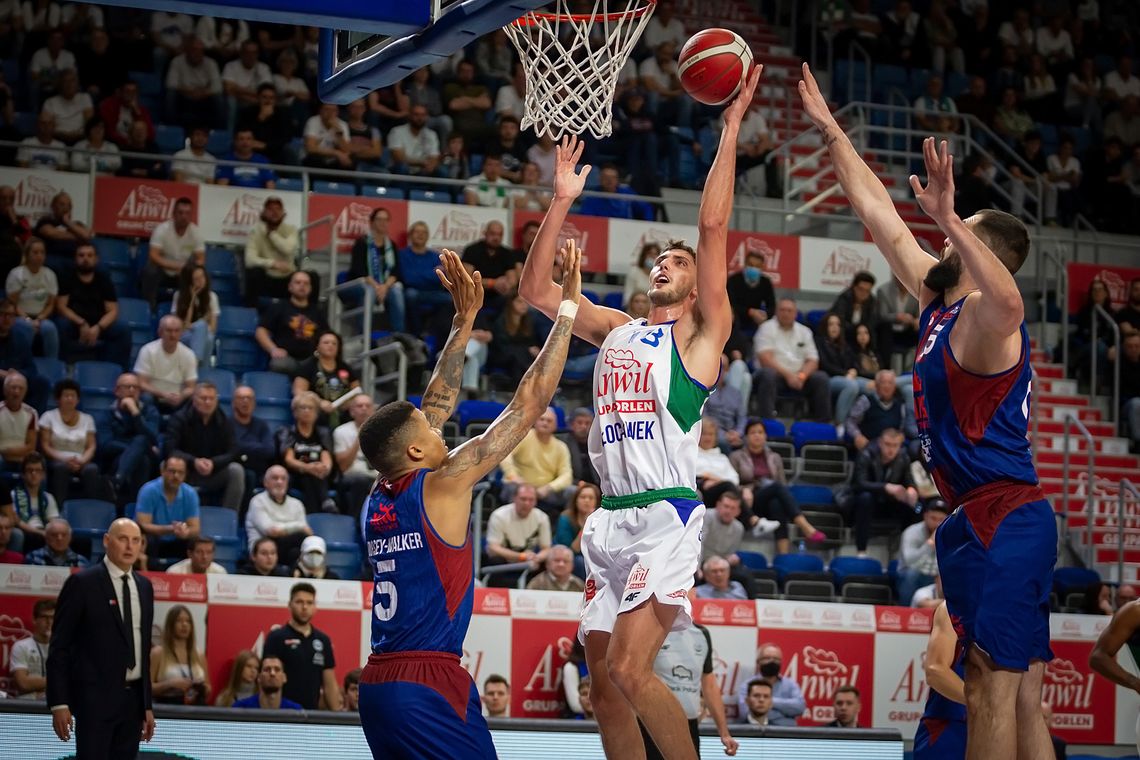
423	292
787	699
615	208
270	679
247	174
168	511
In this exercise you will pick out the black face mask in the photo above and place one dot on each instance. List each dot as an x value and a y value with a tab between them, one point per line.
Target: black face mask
770	669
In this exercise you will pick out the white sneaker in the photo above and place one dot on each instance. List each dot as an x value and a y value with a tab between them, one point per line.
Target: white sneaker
764	526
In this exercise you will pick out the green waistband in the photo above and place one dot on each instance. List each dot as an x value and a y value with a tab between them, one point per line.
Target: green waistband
645	498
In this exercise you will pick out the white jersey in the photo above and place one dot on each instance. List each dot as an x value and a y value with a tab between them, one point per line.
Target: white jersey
647	413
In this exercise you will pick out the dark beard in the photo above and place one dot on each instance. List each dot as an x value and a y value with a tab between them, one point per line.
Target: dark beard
944	275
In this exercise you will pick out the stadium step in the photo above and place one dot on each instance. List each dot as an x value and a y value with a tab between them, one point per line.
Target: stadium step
1057	427
1060	411
1045	370
1078	465
1057	386
1102	444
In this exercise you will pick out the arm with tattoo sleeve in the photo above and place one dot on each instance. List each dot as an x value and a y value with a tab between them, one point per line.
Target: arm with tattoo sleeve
467	295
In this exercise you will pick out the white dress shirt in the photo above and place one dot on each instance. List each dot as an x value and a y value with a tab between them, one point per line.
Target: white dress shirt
135	673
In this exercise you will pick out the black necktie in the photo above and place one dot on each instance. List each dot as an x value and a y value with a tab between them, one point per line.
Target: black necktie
129	622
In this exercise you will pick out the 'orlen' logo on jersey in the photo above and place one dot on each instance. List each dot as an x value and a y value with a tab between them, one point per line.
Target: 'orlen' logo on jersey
626	376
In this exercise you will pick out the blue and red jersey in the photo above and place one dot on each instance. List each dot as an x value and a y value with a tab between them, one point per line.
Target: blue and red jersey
972	428
423	592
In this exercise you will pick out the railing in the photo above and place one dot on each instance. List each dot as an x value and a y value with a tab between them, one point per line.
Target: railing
303	255
1090	486
368	376
1099	313
1060	299
866	56
478	493
1125	487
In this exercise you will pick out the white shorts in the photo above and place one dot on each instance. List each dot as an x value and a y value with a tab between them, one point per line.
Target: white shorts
637	553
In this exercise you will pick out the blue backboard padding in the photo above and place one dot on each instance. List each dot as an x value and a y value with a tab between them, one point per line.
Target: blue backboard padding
392	17
460	25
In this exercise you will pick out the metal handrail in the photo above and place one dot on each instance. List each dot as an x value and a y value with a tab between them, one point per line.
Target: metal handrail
478	493
1090	487
1125	485
851	50
1099	313
1060	299
368	376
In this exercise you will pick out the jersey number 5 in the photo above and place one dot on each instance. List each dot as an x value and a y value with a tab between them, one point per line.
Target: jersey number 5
385	611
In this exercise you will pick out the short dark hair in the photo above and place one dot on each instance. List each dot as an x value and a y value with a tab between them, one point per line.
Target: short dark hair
66	384
43	606
862	276
32	457
382	434
530	223
1005	235
757	682
493	157
197	541
183	201
496	678
732	492
753	422
680	245
266	658
351	677
302	588
266	86
508	117
257	544
847	689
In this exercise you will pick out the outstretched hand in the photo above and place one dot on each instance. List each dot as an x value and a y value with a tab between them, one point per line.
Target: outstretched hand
466	289
571	271
937	198
739	105
568	181
815	105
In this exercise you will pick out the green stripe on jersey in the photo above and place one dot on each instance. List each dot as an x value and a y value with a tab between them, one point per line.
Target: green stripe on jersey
686	397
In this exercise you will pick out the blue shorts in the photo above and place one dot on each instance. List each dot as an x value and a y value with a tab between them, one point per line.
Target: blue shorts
411	720
938	739
996	554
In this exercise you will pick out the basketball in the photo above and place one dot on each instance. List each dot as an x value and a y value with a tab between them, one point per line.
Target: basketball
713	64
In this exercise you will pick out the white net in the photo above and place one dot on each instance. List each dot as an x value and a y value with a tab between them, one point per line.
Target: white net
573	53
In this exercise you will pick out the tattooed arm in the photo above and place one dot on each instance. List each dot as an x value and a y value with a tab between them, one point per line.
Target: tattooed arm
868	196
447	490
467	295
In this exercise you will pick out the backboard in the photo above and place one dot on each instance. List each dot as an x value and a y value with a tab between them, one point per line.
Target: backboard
356	59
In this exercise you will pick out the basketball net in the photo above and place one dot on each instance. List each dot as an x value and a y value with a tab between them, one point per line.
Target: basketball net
572	62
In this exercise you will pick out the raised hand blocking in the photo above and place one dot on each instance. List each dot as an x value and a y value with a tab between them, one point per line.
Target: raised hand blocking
466	289
571	272
937	198
568	181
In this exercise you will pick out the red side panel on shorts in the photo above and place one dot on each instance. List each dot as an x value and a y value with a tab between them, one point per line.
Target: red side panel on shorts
976	398
987	506
454	564
436	670
935	727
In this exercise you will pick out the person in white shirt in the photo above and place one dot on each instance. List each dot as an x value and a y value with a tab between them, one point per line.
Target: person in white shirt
270	253
222	36
194	163
172	244
326	140
199	558
1120	82
414	146
1054	43
167	369
275	514
27	662
489	188
48	63
1018	34
509	98
67	439
1065	176
1082	95
169	29
71	108
518	532
42	150
356	474
292	88
95	149
789	363
663	27
713	467
18	423
242	77
664	93
33	288
194	85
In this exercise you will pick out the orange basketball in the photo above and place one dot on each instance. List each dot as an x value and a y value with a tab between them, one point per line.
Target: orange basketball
713	64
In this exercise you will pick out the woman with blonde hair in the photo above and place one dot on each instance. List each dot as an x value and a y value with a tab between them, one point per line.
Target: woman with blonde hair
306	451
242	682
32	287
178	671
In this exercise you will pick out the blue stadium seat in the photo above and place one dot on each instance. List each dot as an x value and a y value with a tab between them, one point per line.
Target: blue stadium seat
560	415
390	193
841	567
150	84
89	518
98	377
223	378
240	353
591	296
114	253
52	370
753	560
613	299
221	261
135	312
220	142
431	196
227	290
478	411
238	321
812	495
221	524
810	432
775	428
170	139
814	316
475	163
334	188
796	563
272	388
275	416
1070	579
290	184
24	121
341	535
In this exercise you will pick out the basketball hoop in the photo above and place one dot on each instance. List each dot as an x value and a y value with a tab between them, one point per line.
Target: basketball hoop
571	75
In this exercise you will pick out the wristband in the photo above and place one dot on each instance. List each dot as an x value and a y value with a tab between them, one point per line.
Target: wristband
522	557
568	309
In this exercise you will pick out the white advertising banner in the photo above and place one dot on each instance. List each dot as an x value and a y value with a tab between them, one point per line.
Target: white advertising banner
227	214
455	227
900	682
36	187
827	264
628	237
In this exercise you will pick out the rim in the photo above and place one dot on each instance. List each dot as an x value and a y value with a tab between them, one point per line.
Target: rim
532	17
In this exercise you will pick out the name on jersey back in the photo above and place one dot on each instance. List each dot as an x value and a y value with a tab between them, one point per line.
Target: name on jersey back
393	544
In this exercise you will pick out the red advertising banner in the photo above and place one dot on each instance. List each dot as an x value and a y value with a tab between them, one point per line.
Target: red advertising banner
15	624
1116	278
351	214
822	662
590	233
781	255
133	208
539	649
1082	701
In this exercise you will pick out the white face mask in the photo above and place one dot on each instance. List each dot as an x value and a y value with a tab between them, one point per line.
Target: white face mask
313	560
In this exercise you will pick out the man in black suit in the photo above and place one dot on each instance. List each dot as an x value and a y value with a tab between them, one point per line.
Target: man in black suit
98	666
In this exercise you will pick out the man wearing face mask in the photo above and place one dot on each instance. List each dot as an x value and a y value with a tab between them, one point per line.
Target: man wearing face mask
311	563
787	699
753	300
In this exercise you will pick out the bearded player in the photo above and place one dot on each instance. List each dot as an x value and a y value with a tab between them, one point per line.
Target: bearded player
416	701
972	376
651	381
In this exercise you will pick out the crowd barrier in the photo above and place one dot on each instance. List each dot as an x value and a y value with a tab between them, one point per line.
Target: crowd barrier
128	207
527	635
